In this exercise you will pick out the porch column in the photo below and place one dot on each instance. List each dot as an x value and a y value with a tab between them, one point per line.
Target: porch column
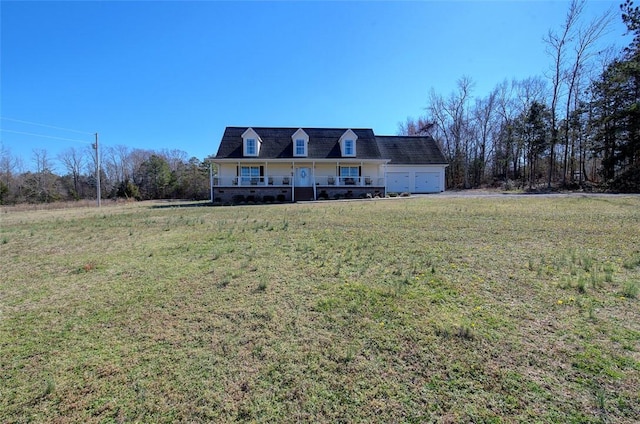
384	170
265	178
313	180
293	181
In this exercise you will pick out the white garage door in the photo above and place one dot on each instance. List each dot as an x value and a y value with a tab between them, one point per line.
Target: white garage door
427	182
397	182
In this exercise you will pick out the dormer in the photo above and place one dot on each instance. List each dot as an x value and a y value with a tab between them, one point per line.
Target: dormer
348	144
300	143
251	143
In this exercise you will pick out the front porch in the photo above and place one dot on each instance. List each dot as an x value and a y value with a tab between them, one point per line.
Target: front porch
287	181
290	181
283	188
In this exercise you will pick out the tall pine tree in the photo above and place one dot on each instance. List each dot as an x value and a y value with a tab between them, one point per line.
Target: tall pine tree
616	112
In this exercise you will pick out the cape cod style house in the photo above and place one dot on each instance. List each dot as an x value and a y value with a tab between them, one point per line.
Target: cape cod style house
291	164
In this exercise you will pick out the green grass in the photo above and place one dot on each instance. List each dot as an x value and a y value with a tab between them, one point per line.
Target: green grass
515	309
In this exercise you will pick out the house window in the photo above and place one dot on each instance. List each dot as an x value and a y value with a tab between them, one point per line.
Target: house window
349	174
348	148
250	174
251	143
348	143
250	147
301	147
300	140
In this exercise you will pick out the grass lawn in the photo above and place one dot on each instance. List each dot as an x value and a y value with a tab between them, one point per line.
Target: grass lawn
514	309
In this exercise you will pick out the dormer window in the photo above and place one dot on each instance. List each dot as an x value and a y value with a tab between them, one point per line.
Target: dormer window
301	147
348	143
251	147
348	148
251	143
300	143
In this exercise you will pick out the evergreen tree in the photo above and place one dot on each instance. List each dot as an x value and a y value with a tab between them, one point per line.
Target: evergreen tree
615	107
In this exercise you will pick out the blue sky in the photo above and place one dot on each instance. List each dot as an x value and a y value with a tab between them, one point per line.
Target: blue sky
173	75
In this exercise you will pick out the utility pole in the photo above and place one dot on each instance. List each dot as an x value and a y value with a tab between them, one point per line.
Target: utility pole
98	194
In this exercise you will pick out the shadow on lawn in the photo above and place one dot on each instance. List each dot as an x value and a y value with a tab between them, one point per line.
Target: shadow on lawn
172	204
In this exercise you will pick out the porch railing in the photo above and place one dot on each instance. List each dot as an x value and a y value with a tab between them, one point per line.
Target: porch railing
271	180
287	180
335	180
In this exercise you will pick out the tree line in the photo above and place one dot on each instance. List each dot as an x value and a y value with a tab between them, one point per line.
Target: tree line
124	173
578	126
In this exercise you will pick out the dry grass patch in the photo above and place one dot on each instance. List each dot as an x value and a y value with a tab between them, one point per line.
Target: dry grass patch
411	310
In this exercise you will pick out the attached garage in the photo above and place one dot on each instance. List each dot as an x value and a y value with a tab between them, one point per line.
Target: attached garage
427	182
415	179
416	164
398	182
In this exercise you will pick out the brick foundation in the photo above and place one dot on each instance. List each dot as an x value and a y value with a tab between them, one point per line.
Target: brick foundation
251	194
238	195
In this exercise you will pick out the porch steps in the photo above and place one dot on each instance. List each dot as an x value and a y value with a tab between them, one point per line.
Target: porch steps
303	194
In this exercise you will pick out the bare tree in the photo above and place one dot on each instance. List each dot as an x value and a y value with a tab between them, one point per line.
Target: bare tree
585	38
116	163
43	184
174	157
41	160
73	161
557	45
527	92
9	165
484	122
419	126
137	158
503	148
451	118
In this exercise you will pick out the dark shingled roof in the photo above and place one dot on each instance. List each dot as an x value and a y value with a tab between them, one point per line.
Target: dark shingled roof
410	150
324	144
277	143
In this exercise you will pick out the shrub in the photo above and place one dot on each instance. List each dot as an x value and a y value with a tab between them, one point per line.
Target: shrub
628	181
127	189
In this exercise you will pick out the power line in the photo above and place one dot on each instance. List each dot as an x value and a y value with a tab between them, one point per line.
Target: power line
44	125
46	136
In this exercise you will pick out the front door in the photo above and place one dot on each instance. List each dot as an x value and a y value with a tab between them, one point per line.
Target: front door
303	177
